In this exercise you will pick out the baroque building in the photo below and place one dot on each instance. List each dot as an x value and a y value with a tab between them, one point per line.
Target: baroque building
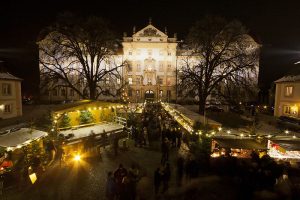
153	61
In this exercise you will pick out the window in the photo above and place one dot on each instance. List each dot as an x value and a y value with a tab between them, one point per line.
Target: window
63	92
138	67
169	53
8	108
107	80
54	92
6	89
161	67
169	66
137	92
130	53
287	109
169	94
160	81
149	39
149	52
129	67
289	91
130	92
160	93
138	80
118	81
130	81
168	81
71	92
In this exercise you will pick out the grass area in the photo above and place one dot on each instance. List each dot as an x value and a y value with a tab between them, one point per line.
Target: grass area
228	119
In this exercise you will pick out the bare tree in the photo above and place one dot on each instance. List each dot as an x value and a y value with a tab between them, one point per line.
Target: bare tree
240	87
80	53
217	49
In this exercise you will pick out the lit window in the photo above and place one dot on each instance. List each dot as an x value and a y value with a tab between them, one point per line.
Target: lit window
288	91
160	93
287	109
138	80
138	67
6	89
137	93
130	81
168	81
7	108
161	67
118	81
160	80
107	80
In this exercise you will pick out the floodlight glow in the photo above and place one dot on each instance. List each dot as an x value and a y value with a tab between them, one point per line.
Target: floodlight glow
77	157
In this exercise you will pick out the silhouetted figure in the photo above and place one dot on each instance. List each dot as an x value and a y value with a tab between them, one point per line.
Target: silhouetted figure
157	180
180	170
110	191
119	174
166	177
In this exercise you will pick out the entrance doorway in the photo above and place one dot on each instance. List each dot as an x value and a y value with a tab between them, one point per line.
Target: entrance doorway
149	95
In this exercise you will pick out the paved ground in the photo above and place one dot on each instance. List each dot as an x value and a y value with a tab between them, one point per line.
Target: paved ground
66	183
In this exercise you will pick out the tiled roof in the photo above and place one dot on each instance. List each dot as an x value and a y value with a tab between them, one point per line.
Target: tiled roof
289	78
8	76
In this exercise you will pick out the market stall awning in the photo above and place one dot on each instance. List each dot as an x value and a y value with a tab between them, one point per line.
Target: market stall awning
239	143
20	137
288	145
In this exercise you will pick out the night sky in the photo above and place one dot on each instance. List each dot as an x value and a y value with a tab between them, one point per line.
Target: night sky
274	24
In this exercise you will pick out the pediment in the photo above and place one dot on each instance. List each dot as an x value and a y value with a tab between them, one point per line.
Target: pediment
149	31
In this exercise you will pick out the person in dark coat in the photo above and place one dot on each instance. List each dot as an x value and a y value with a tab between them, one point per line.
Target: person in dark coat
180	170
110	191
119	174
157	180
166	177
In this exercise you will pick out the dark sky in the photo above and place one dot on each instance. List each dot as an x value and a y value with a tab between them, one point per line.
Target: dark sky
273	23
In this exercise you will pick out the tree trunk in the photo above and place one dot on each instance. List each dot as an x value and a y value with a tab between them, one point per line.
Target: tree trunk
202	105
92	93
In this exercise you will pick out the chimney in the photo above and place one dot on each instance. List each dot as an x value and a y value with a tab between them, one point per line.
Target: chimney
175	35
134	29
150	20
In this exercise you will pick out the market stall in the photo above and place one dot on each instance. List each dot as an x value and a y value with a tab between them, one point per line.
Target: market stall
237	146
284	148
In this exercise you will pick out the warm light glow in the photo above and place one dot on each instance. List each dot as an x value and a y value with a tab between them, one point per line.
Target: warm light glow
19	146
228	132
286	131
8	149
242	135
220	128
77	157
265	107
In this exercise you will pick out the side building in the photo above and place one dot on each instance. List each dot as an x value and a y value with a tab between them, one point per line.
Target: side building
287	96
10	96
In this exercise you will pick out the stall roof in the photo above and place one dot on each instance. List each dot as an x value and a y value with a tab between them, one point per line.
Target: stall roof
21	136
289	145
239	143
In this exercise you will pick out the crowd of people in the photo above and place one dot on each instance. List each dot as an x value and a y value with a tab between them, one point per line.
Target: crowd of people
121	184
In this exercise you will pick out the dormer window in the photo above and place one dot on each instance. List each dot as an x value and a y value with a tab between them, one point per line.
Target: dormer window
289	91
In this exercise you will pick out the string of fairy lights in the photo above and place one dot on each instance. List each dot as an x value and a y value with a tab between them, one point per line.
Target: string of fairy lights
187	124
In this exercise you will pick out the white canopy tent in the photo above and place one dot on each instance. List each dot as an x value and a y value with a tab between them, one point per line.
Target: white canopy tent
20	137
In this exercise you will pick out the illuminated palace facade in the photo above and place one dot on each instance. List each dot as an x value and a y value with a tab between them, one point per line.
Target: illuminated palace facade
153	59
